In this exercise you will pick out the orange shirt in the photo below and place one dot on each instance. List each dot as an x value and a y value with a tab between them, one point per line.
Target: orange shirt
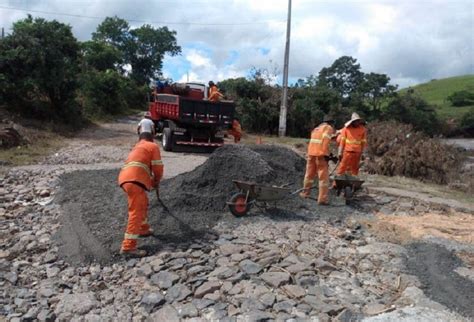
214	94
143	165
320	139
353	139
236	126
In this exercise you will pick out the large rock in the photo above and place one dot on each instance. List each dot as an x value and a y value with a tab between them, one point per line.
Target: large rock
250	267
177	292
75	304
206	288
275	279
166	313
152	299
164	279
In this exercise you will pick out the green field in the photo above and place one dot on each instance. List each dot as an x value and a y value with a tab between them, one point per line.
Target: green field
437	91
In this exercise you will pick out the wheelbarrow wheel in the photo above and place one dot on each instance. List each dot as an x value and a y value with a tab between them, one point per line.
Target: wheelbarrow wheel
238	206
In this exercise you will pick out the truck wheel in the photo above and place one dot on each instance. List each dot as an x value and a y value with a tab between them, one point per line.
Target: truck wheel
167	140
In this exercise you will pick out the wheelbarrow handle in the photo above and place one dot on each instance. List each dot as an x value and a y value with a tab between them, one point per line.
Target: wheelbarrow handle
301	189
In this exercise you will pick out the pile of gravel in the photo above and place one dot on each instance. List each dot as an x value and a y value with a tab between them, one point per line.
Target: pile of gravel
209	186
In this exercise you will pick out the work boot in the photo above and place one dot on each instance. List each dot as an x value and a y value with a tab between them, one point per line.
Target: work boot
133	253
147	234
323	203
304	194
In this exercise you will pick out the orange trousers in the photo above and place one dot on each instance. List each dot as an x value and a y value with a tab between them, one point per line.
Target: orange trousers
137	215
349	163
237	135
319	166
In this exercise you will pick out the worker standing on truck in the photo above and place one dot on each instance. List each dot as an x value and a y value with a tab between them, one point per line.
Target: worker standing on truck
317	160
142	171
146	125
352	141
214	94
236	130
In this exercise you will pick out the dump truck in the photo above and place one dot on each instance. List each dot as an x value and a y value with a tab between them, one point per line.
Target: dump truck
184	116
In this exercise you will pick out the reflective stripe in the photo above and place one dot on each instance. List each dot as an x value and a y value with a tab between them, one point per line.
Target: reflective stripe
317	141
156	162
308	181
137	164
325	135
357	142
131	236
323	183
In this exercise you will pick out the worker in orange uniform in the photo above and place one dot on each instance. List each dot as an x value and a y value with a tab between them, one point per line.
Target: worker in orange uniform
214	94
142	171
317	160
236	130
352	141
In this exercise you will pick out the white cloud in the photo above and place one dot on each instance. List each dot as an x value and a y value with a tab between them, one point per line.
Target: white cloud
411	41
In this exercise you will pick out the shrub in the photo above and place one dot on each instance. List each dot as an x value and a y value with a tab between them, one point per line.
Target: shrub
461	98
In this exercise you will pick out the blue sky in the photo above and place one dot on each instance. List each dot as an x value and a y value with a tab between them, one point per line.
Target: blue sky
412	41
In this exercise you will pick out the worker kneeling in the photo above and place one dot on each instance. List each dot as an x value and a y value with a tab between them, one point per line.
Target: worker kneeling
142	171
317	160
352	141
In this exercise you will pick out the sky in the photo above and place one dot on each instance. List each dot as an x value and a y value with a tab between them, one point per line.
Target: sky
412	41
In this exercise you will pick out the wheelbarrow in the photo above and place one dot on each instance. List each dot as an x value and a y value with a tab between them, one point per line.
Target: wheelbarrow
347	185
250	193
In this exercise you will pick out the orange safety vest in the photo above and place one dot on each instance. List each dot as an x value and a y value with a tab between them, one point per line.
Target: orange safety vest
236	126
353	139
320	139
214	94
143	165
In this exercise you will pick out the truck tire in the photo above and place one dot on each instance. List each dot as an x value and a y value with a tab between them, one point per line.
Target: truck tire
167	140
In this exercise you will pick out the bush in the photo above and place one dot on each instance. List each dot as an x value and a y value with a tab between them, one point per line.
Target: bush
411	109
103	93
461	98
398	150
467	123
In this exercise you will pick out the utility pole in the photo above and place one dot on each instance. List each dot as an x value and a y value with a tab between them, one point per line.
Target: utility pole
284	96
3	32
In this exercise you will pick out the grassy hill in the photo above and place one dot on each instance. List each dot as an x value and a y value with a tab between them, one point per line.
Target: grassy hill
437	91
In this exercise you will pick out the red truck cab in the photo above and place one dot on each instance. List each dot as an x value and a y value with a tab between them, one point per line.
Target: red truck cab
184	116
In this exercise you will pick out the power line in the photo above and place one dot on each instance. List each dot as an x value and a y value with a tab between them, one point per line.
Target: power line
141	21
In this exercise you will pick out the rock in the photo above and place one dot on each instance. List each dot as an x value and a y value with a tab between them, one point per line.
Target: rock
251	304
206	288
157	264
202	303
46	292
188	310
50	257
275	279
250	267
323	266
374	308
196	270
4	253
52	271
257	316
164	279
152	300
267	299
145	270
229	249
294	291
284	306
178	292
46	315
307	280
166	313
77	303
12	277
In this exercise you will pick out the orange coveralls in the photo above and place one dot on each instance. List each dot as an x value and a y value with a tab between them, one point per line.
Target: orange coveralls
236	131
352	142
214	94
143	170
318	149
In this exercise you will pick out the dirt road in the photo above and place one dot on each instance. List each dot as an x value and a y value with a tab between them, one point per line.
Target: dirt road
291	260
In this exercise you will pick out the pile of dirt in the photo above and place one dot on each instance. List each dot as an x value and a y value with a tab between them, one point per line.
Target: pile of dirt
209	186
397	150
95	209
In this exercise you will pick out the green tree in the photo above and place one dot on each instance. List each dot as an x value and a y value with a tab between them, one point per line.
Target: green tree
100	55
375	89
39	62
343	76
143	48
